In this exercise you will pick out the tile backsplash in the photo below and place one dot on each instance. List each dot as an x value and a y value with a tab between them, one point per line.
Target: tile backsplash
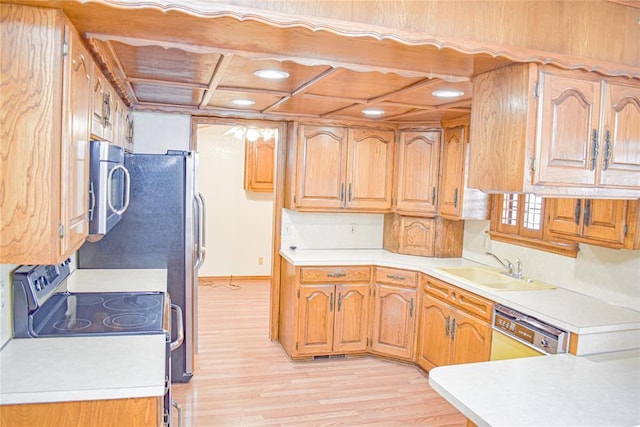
307	230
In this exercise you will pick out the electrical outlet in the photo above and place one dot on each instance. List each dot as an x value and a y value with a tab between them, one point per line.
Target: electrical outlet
352	228
260	260
286	230
3	294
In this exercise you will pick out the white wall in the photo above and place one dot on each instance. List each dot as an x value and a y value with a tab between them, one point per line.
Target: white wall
239	223
307	230
608	274
155	133
6	323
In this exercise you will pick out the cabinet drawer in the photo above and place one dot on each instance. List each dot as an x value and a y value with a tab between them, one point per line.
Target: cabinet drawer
394	276
334	274
464	300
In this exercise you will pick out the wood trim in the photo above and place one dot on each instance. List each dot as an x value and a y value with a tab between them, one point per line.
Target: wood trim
573	344
393	26
565	249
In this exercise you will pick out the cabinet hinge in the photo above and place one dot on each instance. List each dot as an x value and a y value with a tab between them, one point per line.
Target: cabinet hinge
626	229
65	48
532	165
60	231
298	293
294	200
536	89
296	346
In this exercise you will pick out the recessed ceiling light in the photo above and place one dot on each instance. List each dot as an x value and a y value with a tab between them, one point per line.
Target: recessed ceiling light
447	93
373	112
271	74
243	102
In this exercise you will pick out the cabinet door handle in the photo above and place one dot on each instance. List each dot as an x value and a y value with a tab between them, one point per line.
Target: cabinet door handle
577	211
447	327
339	301
455	198
338	274
433	195
331	303
607	149
342	192
453	329
396	277
587	213
594	149
349	191
411	308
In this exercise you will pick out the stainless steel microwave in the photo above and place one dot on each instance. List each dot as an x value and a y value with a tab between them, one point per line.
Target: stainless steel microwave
109	187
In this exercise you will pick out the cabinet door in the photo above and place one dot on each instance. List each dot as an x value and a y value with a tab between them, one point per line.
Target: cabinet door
258	165
370	169
471	339
393	321
564	217
604	220
621	157
75	144
417	174
434	342
351	318
321	164
568	125
315	327
453	158
98	102
417	236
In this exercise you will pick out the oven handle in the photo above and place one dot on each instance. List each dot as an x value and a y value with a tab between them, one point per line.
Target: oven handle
178	342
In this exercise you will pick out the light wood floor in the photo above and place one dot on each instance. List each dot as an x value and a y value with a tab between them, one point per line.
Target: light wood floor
243	379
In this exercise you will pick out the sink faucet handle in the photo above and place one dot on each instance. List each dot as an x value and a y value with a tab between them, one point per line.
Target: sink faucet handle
510	265
519	268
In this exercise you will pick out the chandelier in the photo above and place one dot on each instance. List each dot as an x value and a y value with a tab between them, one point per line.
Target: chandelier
252	133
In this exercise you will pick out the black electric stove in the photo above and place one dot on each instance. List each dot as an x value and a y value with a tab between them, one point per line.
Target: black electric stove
40	310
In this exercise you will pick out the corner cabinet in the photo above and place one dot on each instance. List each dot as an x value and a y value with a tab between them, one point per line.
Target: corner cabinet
555	133
339	168
457	201
394	313
454	325
45	107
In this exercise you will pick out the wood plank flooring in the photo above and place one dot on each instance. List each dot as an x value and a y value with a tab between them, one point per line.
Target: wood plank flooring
243	379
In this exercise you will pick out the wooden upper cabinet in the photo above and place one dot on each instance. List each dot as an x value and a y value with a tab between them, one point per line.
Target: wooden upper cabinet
568	125
555	133
76	118
370	169
457	201
104	98
339	168
259	160
43	210
598	221
621	152
321	167
417	170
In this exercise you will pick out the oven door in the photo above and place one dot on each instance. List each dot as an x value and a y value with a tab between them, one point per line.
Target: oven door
109	188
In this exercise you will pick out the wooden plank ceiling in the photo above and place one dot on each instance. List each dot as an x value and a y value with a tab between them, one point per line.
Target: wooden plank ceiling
180	62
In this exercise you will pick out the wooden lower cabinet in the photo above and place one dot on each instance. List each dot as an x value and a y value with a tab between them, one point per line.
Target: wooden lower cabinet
333	319
139	412
448	333
394	313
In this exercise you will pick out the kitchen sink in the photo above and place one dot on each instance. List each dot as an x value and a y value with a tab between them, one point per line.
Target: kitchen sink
493	279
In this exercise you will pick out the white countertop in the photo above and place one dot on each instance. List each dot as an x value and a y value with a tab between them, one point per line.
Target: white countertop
84	368
88	368
559	390
565	309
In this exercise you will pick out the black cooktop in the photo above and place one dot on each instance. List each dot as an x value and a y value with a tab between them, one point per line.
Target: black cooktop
111	313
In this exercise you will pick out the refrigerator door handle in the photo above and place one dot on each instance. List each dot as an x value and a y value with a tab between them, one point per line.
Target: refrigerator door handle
202	230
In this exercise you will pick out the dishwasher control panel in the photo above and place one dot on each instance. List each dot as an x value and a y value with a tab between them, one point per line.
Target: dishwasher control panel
531	331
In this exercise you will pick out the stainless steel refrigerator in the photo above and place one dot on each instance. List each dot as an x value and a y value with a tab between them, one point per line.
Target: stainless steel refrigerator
162	228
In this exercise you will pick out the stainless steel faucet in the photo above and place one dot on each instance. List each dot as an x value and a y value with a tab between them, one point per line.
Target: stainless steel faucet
508	265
